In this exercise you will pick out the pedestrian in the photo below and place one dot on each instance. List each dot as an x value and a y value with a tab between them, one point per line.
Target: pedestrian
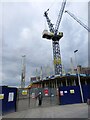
39	99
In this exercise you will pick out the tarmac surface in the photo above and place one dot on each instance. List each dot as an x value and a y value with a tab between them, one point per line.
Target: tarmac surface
58	111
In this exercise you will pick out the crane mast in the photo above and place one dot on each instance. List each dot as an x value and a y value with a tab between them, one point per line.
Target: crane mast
79	21
55	37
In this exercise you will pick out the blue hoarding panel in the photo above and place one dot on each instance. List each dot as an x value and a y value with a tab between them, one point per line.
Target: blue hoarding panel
11	104
4	92
85	92
0	102
69	95
89	91
8	99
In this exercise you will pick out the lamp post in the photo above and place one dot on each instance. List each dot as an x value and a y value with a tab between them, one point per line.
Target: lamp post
75	51
79	78
23	72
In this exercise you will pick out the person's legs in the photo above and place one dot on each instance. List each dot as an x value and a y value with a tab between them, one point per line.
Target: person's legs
39	102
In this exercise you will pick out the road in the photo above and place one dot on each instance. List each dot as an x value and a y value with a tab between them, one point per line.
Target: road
58	111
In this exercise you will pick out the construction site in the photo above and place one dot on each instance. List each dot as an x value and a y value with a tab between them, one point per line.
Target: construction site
59	87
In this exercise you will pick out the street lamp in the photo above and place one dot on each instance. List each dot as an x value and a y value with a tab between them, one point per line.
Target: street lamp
23	71
79	78
75	51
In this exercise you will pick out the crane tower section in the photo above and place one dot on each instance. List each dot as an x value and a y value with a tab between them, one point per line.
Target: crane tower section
55	36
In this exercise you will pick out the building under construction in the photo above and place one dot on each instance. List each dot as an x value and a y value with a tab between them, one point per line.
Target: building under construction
67	79
75	85
55	82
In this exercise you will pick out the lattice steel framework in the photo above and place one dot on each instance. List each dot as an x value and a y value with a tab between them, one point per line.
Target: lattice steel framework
55	39
57	58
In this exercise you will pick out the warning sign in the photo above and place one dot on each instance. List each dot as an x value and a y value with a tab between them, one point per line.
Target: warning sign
61	93
24	92
72	91
65	91
11	97
1	96
46	92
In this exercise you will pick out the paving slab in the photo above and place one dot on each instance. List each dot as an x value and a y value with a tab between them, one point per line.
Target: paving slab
58	111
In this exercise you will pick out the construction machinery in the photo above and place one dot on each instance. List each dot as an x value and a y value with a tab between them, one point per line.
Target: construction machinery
79	21
55	36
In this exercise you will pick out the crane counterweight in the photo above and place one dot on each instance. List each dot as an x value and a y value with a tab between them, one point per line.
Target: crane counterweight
51	36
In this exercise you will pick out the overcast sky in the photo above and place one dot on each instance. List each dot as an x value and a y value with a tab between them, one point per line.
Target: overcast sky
22	25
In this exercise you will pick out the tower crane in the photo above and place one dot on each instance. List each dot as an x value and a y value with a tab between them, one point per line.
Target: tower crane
55	36
79	21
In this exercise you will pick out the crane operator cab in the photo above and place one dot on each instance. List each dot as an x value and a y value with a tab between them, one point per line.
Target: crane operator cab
50	35
47	35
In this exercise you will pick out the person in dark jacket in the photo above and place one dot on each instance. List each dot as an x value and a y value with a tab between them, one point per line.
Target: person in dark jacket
40	98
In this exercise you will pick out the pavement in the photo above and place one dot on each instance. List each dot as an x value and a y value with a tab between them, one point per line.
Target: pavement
58	111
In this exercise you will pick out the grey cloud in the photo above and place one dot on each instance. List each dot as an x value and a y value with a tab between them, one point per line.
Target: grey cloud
38	51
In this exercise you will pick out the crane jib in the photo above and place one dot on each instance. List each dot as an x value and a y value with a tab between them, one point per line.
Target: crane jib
51	28
79	21
60	16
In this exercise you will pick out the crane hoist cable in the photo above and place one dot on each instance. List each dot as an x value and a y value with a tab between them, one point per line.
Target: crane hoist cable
52	4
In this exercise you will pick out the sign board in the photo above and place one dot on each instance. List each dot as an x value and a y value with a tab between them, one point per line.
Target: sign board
24	92
33	95
61	93
72	91
1	96
10	97
65	91
46	92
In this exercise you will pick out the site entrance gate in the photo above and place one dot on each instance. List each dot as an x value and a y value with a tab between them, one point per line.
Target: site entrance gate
26	98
